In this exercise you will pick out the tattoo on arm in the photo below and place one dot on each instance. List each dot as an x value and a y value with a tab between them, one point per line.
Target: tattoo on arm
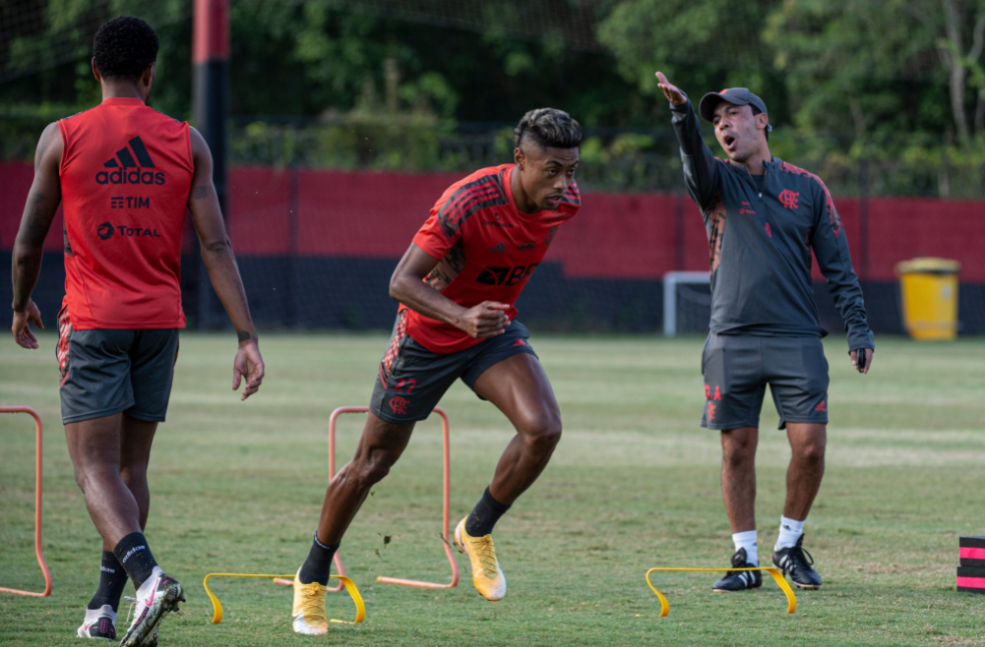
201	192
244	336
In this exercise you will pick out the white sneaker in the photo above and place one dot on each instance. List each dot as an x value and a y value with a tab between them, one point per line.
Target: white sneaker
156	598
99	624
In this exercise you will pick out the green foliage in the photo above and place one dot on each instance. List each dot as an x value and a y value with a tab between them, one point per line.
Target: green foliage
843	78
845	81
704	40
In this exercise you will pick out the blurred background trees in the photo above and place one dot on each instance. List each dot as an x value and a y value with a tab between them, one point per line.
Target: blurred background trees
877	96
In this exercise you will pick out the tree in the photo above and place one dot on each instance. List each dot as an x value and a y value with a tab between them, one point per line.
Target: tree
959	63
876	62
715	42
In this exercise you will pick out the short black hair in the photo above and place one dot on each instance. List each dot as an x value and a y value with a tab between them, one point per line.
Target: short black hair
550	128
124	47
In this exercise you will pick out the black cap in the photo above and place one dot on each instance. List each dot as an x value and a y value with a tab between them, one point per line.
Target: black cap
735	96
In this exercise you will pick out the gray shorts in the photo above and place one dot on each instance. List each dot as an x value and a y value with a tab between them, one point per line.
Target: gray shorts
412	379
737	369
105	372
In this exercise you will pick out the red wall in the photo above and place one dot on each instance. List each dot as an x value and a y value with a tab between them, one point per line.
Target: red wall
615	236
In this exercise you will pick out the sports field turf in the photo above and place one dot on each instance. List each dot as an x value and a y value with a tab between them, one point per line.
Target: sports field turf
634	484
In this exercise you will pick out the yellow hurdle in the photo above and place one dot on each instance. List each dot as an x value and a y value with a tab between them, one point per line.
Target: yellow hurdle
350	588
772	570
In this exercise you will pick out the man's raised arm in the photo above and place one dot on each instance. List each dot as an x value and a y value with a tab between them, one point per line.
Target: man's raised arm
700	167
42	204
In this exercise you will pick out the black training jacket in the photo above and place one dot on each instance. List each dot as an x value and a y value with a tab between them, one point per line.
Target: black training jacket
760	243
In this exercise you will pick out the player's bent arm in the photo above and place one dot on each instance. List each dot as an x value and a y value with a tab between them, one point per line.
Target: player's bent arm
407	286
39	212
217	253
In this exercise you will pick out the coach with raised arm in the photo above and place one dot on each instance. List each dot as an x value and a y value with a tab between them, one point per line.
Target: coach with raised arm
763	218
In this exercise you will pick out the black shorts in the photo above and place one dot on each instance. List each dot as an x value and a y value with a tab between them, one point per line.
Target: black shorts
105	372
737	369
413	379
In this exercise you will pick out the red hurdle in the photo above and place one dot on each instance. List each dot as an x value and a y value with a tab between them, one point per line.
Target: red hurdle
37	503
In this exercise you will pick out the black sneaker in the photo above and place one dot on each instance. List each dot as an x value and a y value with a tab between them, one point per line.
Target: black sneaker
792	562
739	580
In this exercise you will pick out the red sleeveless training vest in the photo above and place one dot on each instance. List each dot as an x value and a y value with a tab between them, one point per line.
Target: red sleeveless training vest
126	173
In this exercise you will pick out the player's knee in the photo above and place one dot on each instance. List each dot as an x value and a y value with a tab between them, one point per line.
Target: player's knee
89	476
738	451
374	468
542	432
811	452
81	478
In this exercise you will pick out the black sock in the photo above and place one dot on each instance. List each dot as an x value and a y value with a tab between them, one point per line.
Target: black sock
135	557
112	579
484	515
319	563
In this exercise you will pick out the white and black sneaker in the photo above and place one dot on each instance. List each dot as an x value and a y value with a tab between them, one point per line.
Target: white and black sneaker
99	624
793	562
739	580
157	597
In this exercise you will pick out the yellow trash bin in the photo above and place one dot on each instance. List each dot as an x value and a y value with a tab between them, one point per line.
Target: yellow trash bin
929	287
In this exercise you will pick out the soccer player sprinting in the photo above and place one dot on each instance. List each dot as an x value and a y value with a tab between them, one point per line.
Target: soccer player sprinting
763	217
457	285
125	175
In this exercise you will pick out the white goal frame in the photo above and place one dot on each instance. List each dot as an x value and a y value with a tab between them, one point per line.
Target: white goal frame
671	279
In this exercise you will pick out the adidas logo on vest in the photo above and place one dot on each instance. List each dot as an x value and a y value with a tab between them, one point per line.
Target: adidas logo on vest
129	170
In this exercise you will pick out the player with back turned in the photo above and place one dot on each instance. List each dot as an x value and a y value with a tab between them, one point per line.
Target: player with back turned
457	285
125	175
764	217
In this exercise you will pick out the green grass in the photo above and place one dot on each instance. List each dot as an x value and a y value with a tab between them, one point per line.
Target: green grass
634	484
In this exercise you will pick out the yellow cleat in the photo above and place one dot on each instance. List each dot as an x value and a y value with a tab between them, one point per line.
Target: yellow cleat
487	577
308	616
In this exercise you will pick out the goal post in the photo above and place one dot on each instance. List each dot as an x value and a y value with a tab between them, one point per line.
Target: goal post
671	281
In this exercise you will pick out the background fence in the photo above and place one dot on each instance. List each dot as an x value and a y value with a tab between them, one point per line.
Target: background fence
316	249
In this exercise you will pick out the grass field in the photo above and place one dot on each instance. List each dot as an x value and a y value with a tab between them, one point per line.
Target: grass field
634	484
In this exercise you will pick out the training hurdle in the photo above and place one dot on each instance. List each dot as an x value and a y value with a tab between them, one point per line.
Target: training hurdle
772	570
446	500
349	585
446	505
37	503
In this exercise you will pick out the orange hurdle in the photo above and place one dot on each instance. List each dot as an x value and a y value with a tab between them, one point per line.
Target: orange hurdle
446	511
37	504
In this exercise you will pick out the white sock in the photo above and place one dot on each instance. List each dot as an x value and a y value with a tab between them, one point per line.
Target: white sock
790	532
95	614
149	583
747	540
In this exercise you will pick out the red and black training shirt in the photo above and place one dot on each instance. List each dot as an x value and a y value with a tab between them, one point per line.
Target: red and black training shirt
487	249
